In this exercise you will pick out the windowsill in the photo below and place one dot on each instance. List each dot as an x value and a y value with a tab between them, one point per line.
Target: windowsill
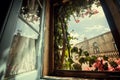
64	78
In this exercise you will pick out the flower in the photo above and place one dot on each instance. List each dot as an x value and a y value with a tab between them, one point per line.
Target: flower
110	68
117	61
117	68
98	65
77	21
95	11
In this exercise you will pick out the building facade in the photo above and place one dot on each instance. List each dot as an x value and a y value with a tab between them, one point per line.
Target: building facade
102	44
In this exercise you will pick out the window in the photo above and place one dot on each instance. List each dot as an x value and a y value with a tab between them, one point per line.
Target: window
95	48
63	62
23	38
23	52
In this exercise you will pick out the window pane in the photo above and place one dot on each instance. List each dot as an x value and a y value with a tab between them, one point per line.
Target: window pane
83	39
22	56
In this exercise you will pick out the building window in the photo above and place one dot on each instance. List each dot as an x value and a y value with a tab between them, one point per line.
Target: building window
96	48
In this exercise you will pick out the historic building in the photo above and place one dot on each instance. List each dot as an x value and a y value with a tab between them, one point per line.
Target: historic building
99	45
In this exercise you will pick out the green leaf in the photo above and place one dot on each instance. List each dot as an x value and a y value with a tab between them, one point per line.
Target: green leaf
74	49
70	60
86	53
105	66
88	58
91	60
105	58
76	66
82	60
113	64
80	51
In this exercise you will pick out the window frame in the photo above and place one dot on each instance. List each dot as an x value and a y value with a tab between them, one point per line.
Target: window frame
85	74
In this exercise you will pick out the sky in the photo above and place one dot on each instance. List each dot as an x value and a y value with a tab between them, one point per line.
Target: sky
88	27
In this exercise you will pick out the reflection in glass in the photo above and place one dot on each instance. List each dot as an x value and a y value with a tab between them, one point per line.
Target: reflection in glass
83	39
22	56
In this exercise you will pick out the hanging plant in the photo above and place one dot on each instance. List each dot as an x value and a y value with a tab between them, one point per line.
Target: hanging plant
77	9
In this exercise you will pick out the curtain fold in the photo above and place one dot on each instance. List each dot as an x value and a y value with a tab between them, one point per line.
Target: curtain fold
22	56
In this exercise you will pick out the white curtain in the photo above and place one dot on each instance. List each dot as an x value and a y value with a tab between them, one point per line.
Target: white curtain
22	56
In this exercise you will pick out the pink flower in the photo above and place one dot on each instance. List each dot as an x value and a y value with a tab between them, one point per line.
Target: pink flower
87	69
100	58
95	11
118	61
110	68
117	68
99	65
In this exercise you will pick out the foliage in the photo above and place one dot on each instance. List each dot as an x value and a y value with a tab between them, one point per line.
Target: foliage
80	52
102	63
105	66
62	13
86	53
74	49
70	60
105	57
113	64
76	66
82	60
80	8
92	60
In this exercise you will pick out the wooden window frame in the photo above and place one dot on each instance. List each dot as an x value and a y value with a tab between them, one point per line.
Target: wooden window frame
114	26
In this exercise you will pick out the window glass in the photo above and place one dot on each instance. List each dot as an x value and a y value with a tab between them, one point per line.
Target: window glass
83	39
22	56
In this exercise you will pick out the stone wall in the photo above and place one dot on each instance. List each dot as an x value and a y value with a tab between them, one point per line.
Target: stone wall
103	43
